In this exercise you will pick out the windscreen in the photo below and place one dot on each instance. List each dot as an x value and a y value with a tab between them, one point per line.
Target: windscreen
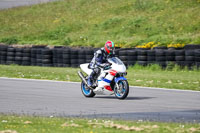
115	60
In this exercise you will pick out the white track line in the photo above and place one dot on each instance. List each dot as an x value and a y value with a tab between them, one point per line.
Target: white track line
42	80
153	88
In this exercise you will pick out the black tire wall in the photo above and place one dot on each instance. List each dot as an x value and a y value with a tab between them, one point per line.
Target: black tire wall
73	57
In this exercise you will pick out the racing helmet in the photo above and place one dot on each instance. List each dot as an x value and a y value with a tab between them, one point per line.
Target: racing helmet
109	47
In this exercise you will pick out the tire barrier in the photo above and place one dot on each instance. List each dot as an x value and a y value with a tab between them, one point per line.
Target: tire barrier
39	57
10	58
131	57
66	57
161	57
73	57
151	57
81	56
47	55
123	56
89	53
26	59
142	57
3	54
197	58
33	56
18	56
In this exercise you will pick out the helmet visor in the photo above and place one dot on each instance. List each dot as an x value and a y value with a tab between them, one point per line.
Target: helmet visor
111	49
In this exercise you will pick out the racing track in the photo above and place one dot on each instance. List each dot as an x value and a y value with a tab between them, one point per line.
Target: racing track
4	4
52	98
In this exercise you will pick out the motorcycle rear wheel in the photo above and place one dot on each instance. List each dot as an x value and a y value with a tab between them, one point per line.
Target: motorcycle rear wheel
123	90
86	91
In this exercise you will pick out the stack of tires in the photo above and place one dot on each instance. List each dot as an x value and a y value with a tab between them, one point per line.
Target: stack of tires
89	53
10	59
36	55
81	56
18	56
131	57
180	57
67	57
47	55
170	56
55	62
59	56
3	54
74	58
26	59
123	56
160	57
142	57
189	58
151	57
191	47
117	52
197	58
33	56
39	57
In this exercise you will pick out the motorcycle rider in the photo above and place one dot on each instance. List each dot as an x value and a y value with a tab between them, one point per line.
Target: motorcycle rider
100	60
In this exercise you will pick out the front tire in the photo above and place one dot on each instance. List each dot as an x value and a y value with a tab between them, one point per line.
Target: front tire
86	91
123	90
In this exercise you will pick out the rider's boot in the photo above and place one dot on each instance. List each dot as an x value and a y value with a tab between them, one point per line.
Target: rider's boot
89	81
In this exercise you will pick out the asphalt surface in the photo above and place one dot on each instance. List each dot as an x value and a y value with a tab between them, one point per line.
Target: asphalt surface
50	98
4	4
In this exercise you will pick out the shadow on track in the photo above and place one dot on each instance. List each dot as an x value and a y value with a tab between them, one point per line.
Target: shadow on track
128	98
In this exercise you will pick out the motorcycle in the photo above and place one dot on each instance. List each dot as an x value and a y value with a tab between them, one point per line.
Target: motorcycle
109	81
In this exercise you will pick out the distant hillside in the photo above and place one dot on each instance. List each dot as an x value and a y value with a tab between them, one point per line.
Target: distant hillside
92	22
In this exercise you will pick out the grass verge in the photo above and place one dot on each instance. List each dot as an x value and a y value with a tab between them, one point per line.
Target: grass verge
152	76
24	124
92	22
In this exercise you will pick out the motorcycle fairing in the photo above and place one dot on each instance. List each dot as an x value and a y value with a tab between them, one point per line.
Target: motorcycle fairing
85	68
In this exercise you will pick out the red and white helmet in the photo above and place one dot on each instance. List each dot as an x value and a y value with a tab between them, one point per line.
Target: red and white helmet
109	47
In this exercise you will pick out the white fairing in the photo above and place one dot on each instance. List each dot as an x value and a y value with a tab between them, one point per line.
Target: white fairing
117	65
85	68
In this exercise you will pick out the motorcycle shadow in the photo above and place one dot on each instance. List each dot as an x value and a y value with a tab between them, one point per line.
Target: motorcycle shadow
128	98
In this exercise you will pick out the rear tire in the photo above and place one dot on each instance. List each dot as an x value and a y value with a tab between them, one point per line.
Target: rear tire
86	92
123	93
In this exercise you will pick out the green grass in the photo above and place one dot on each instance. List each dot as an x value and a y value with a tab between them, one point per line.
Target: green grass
92	22
34	72
152	76
25	124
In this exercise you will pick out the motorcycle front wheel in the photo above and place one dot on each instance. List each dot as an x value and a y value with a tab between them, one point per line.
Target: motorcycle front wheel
121	91
86	91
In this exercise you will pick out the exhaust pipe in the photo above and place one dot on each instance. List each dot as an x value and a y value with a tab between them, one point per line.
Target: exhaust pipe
82	77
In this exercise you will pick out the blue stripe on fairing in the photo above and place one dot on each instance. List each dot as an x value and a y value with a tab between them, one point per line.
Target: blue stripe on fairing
106	80
119	78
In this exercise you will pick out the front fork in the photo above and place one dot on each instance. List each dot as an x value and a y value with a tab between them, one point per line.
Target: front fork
117	85
117	79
